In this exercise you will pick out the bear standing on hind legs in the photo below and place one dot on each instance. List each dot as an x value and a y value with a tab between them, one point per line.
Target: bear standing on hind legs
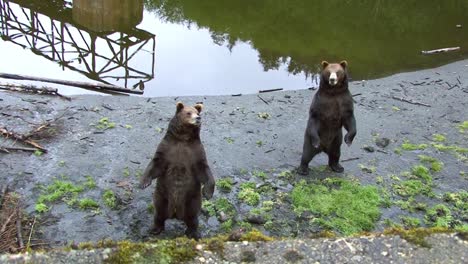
331	109
181	168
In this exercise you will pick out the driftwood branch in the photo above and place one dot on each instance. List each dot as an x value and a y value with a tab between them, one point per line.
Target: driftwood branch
8	149
33	89
95	87
427	52
22	138
262	99
409	101
270	90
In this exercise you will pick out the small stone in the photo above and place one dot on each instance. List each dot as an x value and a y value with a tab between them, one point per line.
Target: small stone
368	148
382	142
223	217
198	247
458	26
245	243
212	221
256	219
287	96
202	259
384	253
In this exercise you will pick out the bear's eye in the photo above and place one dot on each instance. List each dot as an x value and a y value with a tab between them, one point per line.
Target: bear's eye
189	114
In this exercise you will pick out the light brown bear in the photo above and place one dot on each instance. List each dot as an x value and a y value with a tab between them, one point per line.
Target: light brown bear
331	110
181	168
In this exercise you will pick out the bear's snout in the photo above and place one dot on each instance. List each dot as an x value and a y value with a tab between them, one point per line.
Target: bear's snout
333	80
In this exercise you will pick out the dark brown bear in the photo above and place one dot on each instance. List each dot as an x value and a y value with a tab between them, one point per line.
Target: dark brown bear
181	168
331	109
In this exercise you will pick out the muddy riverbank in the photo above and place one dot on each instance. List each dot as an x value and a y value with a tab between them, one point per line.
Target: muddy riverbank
101	144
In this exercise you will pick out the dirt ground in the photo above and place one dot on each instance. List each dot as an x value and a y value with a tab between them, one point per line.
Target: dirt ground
239	142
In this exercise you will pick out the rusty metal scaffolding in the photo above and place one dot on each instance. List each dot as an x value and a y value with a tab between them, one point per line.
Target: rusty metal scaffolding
48	30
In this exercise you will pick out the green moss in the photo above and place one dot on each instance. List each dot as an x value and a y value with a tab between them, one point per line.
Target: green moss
458	199
410	222
87	203
340	205
385	198
59	190
422	172
267	206
412	188
218	206
61	163
254	235
439	216
260	174
409	146
128	127
259	143
463	127
126	172
411	205
227	225
163	251
397	151
249	196
41	208
109	199
104	124
287	175
439	138
38	153
436	165
225	184
150	208
416	236
90	183
379	180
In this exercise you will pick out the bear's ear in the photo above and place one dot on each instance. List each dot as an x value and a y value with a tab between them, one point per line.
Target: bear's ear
324	64
199	107
179	106
344	64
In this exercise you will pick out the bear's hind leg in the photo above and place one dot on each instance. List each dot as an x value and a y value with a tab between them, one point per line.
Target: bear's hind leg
193	207
160	215
308	153
334	153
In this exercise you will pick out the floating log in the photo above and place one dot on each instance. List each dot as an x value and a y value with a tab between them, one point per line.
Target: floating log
96	87
427	52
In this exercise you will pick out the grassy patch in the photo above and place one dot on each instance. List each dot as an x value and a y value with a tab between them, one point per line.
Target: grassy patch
422	172
439	138
259	143
38	153
410	222
409	146
248	194
229	140
411	205
463	127
436	165
104	124
87	203
109	199
126	172
225	184
41	208
287	175
439	216
220	205
260	174
367	169
339	205
412	188
90	183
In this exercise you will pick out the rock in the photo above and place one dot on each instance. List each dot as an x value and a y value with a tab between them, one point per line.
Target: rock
256	219
213	221
223	217
368	148
382	142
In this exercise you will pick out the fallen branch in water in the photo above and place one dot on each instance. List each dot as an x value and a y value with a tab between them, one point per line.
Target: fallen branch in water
410	101
95	87
427	52
33	89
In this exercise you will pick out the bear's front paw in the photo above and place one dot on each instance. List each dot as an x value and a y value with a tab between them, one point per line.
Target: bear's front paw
145	182
348	140
303	170
208	190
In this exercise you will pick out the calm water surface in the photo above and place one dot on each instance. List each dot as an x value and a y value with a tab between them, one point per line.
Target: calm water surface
206	47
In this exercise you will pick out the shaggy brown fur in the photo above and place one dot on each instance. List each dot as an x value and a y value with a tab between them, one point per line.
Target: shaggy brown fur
331	109
181	168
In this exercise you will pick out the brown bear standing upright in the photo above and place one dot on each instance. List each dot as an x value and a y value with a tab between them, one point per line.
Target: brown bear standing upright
331	109
181	168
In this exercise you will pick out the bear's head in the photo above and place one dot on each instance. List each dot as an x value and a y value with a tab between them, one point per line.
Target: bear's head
334	73
189	115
